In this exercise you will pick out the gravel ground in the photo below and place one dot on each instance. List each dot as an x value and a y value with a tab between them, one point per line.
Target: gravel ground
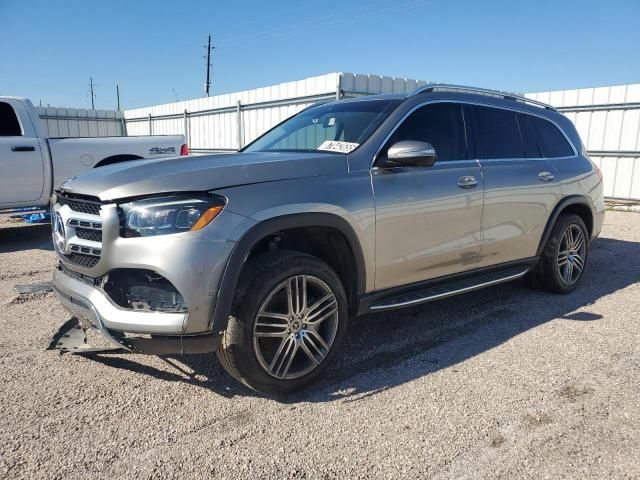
502	383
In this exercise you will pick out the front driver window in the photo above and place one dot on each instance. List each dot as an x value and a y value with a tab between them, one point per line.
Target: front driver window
440	124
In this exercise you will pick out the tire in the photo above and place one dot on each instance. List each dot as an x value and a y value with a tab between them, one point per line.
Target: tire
556	259
259	354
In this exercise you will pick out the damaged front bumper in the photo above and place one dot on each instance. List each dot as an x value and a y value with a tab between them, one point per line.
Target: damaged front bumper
80	295
92	309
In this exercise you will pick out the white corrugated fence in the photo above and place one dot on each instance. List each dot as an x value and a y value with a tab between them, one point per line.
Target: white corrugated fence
227	122
608	118
79	122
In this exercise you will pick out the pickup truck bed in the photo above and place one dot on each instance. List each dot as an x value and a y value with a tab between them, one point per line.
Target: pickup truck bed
33	165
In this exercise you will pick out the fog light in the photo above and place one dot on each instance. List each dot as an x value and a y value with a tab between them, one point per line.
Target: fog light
143	290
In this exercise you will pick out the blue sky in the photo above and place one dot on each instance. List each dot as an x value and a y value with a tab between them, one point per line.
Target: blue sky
154	50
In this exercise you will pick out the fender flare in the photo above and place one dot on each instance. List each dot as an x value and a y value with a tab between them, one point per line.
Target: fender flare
555	213
229	281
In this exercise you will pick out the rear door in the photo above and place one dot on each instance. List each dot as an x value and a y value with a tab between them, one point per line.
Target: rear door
21	163
428	218
520	188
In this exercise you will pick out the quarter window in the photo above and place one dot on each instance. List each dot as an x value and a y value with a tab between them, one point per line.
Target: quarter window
440	124
552	142
497	134
9	125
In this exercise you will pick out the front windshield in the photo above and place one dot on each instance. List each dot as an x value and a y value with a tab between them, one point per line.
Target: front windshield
335	127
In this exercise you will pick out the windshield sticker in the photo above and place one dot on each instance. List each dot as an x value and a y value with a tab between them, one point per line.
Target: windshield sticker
337	146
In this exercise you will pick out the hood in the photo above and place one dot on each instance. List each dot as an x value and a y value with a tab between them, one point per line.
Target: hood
201	173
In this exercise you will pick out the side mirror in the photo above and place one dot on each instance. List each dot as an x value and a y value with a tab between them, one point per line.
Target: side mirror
412	153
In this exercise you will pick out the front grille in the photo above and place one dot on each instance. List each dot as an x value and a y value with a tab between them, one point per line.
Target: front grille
88	234
81	229
82	205
88	250
86	261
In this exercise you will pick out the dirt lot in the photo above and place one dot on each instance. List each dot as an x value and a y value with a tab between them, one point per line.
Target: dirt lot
501	383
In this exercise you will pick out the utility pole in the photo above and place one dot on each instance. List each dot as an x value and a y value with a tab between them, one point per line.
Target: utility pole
92	94
118	95
207	84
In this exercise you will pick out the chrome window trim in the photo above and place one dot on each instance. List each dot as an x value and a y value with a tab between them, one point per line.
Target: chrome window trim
435	166
482	104
510	159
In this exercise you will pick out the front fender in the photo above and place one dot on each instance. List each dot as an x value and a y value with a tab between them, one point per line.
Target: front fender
229	282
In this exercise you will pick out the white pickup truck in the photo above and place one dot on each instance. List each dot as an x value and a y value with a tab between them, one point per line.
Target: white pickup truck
33	165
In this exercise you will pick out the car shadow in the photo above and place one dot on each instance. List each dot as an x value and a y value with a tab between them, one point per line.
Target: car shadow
25	237
382	351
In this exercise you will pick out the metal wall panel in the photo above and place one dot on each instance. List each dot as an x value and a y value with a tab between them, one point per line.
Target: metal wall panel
608	120
213	123
71	122
376	84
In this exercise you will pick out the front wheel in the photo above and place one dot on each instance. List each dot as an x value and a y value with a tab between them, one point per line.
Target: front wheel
289	316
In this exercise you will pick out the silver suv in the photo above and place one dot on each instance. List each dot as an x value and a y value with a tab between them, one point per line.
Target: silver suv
349	207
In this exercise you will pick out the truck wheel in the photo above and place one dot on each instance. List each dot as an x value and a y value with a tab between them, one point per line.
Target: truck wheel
564	257
288	319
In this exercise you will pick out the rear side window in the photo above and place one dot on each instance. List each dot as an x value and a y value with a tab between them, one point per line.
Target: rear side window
496	133
9	125
551	141
440	124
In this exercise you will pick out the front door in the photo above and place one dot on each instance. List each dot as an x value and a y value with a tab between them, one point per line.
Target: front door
21	165
428	219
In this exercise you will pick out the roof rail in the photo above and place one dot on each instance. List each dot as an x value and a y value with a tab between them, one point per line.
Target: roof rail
432	87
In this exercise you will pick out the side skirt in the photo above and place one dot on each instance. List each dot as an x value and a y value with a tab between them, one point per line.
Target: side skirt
443	287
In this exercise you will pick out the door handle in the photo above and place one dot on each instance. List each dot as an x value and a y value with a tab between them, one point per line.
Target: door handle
23	148
546	177
467	182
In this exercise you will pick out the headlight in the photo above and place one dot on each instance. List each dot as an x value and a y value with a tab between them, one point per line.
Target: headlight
171	214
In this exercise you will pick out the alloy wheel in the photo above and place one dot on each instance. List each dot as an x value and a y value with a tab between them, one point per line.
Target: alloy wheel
571	254
295	327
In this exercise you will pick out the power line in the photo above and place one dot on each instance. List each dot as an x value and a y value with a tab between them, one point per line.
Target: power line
261	19
356	14
316	20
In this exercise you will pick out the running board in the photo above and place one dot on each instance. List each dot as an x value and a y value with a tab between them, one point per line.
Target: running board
449	289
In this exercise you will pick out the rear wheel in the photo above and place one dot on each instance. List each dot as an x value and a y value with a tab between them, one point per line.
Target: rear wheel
564	257
289	317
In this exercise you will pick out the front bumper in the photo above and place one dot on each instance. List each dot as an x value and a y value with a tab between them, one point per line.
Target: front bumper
92	303
71	337
192	262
